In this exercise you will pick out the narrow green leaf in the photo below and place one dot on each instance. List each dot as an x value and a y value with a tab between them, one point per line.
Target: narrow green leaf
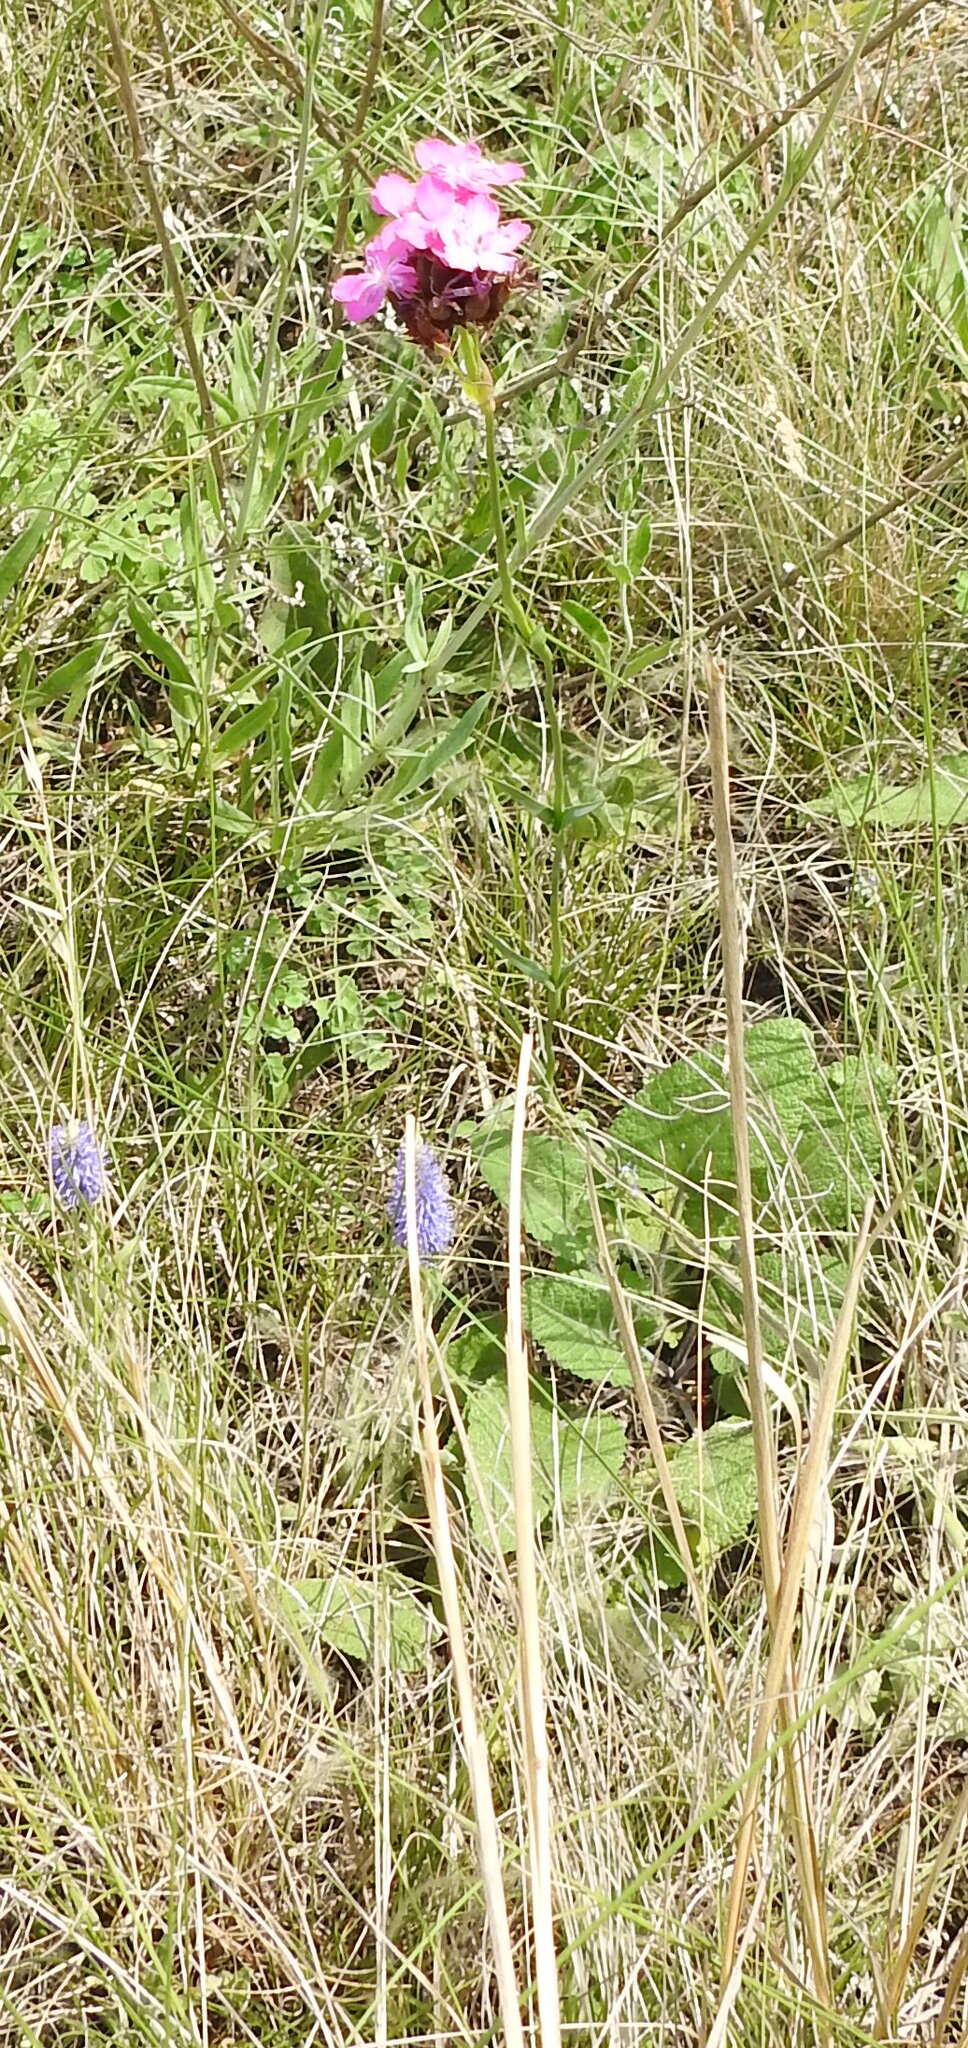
19	555
640	545
154	641
454	736
234	738
591	629
532	970
62	680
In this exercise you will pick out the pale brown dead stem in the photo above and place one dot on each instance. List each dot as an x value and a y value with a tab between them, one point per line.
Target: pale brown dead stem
490	1859
763	1441
532	1693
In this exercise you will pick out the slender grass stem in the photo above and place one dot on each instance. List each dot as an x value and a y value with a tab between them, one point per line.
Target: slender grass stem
182	314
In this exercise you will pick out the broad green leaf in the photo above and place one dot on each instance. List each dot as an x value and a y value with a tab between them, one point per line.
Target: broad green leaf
554	1195
353	720
801	1292
642	788
929	1657
939	798
570	1316
678	1126
343	1611
642	658
821	1122
476	1353
532	970
576	1459
627	794
714	1477
613	793
840	1145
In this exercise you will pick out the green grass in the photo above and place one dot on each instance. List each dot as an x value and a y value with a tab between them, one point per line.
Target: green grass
279	854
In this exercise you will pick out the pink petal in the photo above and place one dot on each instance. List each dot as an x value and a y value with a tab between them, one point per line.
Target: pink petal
463	166
413	231
469	233
392	193
505	174
434	198
434	154
387	243
512	233
359	294
389	253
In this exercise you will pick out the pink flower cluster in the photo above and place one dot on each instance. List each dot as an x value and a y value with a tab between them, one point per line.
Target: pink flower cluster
446	258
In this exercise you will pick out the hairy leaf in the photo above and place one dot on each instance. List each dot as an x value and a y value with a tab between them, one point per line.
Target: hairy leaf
570	1316
345	1612
576	1458
554	1197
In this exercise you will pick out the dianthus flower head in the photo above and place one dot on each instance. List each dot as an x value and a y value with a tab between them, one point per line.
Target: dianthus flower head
76	1166
435	1215
445	258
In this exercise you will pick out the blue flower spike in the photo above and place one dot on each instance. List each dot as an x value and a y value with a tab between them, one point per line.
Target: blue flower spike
76	1166
435	1215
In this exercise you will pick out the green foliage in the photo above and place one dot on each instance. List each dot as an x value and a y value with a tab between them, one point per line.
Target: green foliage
476	1351
815	1133
570	1316
348	1614
554	1195
912	1657
282	804
618	794
816	1142
576	1464
714	1478
943	274
298	1013
939	798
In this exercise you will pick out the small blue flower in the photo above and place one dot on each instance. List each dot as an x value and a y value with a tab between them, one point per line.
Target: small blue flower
76	1166
435	1216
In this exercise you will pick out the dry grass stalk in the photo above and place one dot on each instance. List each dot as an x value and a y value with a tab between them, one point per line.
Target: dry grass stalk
775	1696
531	1677
650	1421
763	1440
490	1857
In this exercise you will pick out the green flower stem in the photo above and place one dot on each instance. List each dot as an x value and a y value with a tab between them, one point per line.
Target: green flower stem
509	596
479	389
